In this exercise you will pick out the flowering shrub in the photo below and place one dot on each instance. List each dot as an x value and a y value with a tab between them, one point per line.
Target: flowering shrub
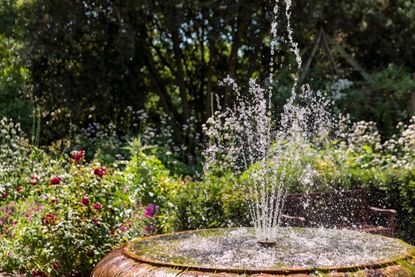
60	216
148	181
65	224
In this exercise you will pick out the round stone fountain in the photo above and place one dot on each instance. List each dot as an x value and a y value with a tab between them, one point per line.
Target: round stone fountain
297	252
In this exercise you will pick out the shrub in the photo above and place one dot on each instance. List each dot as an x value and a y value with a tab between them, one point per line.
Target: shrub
211	203
59	217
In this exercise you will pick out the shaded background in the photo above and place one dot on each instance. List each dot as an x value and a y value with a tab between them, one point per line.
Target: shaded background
68	64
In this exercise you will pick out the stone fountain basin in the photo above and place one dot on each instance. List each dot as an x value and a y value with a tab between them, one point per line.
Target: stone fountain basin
297	252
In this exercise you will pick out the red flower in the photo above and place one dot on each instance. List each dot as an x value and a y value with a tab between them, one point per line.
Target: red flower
4	195
85	201
112	232
55	180
49	219
19	188
98	206
100	171
90	253
56	266
77	156
39	273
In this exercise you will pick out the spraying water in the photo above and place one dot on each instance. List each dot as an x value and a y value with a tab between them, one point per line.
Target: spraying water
246	139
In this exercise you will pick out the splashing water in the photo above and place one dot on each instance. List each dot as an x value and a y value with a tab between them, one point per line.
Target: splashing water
245	138
299	248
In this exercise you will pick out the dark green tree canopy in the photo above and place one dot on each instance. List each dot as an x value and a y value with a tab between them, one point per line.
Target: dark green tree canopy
92	59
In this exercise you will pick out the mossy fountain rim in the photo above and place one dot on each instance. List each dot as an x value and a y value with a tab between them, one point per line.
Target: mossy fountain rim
409	255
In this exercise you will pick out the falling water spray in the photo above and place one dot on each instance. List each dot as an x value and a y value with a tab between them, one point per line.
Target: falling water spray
246	139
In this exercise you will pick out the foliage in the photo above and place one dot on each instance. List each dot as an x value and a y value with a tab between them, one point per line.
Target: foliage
84	61
77	70
60	216
211	203
16	102
384	100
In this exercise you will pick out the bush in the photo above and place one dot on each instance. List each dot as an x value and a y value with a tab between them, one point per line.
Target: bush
384	100
59	217
211	203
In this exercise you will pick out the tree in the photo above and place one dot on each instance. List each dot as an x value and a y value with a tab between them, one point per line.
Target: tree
87	58
84	59
15	102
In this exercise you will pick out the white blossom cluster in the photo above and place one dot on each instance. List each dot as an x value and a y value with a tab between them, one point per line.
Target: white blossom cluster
160	135
400	150
337	88
397	152
13	148
364	134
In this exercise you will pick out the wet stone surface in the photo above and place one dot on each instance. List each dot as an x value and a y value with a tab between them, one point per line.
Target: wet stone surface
295	248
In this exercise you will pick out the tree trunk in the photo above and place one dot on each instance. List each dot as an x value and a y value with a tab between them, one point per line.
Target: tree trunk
180	73
175	118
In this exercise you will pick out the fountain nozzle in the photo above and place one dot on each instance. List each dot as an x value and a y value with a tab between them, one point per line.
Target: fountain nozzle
266	243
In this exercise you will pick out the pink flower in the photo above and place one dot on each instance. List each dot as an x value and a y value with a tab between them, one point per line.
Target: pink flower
85	200
149	229
19	188
55	180
150	210
100	171
97	206
33	180
77	156
123	228
39	207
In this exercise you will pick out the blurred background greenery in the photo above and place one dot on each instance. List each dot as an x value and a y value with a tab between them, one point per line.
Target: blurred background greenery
68	64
